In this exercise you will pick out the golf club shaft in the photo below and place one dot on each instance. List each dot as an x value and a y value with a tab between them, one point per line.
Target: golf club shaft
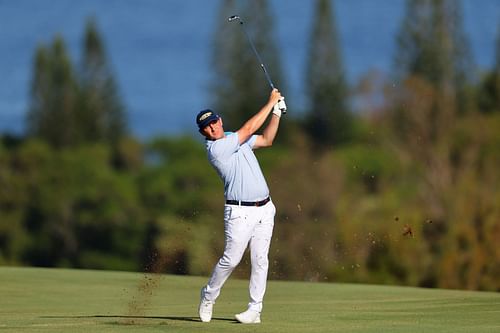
257	55
281	103
236	17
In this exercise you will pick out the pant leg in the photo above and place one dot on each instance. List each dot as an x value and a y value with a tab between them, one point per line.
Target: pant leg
259	250
238	228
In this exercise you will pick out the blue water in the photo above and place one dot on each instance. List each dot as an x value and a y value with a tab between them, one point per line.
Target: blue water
160	50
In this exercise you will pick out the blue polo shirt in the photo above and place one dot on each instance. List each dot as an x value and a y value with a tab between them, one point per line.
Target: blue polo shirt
238	167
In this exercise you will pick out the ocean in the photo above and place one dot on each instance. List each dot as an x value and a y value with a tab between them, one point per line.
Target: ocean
160	51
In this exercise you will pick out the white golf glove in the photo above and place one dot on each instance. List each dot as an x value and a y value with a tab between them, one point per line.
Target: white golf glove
280	107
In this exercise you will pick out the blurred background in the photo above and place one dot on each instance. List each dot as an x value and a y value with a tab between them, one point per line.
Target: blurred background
385	169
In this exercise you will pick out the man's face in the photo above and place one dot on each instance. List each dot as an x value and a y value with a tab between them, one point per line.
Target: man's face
213	130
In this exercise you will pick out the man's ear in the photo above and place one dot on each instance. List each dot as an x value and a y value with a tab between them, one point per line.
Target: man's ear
204	134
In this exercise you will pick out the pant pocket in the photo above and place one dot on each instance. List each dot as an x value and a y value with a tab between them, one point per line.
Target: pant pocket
233	213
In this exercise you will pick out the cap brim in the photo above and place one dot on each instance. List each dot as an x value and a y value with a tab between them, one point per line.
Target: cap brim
208	120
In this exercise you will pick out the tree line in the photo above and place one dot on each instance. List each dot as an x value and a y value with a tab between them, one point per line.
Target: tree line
400	186
71	106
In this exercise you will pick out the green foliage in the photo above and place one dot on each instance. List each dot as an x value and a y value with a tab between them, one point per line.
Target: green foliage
53	96
369	165
328	120
433	47
181	195
179	177
489	89
411	198
367	212
489	94
439	140
69	202
432	43
70	107
101	114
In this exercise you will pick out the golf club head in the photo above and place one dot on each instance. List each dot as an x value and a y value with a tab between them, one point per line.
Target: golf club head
233	18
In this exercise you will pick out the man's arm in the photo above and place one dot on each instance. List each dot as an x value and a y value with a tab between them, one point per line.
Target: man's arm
267	137
254	123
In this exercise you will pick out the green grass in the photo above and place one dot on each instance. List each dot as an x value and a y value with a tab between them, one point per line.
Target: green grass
60	300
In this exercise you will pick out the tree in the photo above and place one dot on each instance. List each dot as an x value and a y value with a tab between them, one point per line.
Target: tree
433	95
489	93
239	87
53	96
101	113
328	121
432	45
67	107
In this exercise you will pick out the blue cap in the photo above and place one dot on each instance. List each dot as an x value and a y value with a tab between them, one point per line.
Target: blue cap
205	117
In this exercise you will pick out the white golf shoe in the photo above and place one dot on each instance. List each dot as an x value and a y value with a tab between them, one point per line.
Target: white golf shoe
205	310
206	307
248	317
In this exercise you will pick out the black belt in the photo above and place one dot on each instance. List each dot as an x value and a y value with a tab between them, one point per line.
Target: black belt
248	203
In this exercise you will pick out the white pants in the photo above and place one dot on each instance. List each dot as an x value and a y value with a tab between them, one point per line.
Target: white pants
242	226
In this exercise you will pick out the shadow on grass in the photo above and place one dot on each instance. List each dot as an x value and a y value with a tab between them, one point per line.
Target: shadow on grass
130	319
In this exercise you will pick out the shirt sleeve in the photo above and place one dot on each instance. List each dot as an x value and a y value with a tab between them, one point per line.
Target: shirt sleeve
251	141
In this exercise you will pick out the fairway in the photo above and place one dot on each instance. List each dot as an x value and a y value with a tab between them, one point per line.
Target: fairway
60	300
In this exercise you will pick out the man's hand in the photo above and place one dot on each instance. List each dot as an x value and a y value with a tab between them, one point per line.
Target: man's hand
275	97
278	102
280	107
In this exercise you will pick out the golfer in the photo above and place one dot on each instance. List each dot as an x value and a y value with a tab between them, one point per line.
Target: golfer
249	211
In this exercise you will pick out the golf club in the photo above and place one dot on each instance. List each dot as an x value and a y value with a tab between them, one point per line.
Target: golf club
281	103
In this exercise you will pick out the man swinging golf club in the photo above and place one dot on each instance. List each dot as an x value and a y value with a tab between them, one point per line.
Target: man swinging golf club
248	211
